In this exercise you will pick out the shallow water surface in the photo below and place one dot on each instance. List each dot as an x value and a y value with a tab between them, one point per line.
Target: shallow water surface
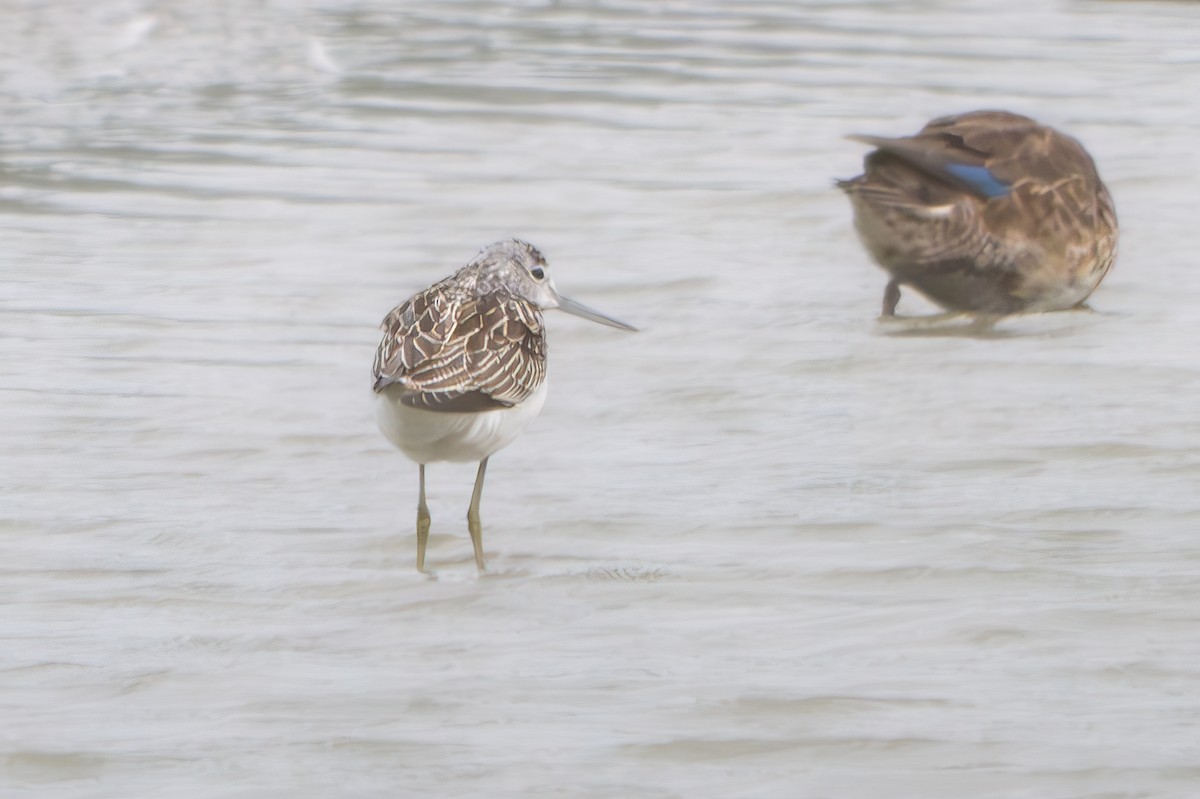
767	547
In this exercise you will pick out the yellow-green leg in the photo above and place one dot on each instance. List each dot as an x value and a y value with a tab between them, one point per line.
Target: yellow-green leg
422	523
473	523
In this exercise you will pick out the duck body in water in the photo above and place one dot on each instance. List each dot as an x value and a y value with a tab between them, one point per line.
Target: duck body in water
986	212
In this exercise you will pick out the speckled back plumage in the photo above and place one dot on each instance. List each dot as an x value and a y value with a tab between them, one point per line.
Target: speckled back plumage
986	212
467	343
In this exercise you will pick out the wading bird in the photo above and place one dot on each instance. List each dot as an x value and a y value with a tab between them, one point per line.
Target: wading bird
461	369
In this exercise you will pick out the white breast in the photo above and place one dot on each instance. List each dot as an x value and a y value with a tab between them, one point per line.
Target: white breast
428	436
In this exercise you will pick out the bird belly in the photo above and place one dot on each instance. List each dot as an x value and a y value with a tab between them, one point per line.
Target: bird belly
429	436
1060	295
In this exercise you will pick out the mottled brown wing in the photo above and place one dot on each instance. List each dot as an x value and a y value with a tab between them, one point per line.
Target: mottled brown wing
929	224
1054	201
447	351
1015	149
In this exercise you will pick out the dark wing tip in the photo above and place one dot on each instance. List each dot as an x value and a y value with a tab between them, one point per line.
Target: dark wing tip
451	402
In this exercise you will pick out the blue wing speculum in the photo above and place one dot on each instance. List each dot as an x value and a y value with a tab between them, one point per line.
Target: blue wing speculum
979	179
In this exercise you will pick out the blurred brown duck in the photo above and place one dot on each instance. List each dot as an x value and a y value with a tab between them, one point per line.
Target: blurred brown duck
986	212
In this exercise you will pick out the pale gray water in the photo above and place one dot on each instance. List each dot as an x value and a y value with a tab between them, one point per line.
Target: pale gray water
765	548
